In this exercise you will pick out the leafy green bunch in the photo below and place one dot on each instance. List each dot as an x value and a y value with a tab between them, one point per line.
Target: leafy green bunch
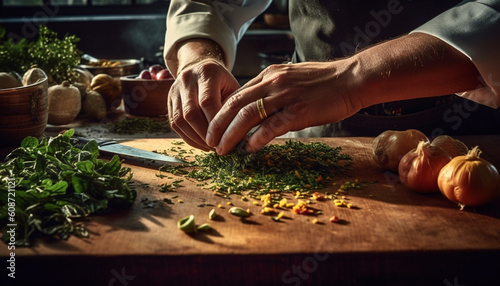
293	166
56	183
56	57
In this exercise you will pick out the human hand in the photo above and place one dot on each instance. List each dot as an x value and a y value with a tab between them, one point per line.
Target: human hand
196	96
294	96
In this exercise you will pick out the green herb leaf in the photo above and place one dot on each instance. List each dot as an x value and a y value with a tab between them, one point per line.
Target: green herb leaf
56	183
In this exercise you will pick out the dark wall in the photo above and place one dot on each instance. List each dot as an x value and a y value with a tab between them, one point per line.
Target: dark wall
143	36
105	37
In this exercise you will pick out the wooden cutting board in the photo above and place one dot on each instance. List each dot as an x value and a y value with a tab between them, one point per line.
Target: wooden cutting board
393	235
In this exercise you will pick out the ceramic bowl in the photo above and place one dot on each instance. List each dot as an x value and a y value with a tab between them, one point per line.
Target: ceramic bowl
23	112
145	97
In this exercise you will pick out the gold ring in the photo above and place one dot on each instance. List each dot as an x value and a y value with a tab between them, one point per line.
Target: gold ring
261	109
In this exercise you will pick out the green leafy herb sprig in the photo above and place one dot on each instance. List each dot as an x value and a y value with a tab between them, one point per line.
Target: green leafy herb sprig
57	183
293	166
56	57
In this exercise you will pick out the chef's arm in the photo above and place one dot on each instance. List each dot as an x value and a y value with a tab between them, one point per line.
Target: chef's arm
472	27
413	66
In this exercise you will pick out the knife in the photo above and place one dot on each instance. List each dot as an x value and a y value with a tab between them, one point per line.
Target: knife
113	147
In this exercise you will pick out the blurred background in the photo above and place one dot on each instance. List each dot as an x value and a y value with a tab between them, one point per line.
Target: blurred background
135	29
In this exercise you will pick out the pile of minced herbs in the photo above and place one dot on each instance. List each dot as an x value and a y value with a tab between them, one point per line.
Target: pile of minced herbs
47	186
290	167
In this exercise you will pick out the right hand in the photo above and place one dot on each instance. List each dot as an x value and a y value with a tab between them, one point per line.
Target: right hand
195	98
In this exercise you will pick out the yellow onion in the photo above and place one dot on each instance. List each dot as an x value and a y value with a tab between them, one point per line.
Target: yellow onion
453	147
419	168
469	180
390	146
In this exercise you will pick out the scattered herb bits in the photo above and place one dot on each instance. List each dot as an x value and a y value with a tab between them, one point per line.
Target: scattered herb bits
139	124
212	215
187	224
237	211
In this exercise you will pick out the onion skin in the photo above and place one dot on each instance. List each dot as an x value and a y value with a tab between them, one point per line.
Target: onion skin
419	169
390	146
469	180
453	147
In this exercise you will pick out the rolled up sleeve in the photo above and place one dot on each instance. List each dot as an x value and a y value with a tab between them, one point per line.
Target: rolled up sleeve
473	27
221	21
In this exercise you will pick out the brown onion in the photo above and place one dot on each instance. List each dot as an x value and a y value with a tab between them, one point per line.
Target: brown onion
469	180
419	168
390	146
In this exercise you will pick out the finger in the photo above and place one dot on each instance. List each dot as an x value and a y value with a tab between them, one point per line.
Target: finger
178	122
276	125
246	118
232	107
209	100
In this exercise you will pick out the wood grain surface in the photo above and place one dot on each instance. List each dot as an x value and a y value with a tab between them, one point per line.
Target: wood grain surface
393	236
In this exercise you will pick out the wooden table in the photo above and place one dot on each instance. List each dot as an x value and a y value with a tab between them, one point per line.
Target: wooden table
394	237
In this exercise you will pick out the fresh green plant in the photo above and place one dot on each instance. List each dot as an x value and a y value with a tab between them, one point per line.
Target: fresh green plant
56	57
45	186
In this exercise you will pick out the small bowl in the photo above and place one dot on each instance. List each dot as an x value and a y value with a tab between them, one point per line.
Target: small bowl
145	97
24	112
124	68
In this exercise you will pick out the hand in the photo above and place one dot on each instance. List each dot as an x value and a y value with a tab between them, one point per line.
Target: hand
196	96
295	96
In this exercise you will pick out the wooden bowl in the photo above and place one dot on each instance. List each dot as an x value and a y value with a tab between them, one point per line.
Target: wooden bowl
145	97
23	112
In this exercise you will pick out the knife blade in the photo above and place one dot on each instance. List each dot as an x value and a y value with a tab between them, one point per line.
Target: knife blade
113	147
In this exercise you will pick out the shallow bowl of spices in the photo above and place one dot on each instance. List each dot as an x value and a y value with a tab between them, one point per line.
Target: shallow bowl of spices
23	112
145	97
114	68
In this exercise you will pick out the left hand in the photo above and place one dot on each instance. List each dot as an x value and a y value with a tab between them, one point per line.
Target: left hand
295	96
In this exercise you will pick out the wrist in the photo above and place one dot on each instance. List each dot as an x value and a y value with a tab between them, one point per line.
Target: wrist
193	51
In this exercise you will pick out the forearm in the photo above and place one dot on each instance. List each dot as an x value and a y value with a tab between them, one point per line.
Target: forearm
413	66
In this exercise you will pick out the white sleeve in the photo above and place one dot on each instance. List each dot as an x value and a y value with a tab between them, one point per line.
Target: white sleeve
223	21
473	27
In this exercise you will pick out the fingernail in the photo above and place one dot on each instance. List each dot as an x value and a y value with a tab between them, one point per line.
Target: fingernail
209	138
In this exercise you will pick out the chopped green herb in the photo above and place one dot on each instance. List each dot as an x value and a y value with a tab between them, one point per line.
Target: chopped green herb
237	211
187	224
204	227
212	215
293	166
139	124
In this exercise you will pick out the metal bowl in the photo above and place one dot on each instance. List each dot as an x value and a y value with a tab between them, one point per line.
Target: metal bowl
24	112
124	68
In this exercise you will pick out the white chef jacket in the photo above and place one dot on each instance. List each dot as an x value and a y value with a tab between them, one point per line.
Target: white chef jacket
472	27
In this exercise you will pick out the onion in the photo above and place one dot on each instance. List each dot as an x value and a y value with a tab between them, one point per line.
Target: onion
390	146
469	180
453	147
419	168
